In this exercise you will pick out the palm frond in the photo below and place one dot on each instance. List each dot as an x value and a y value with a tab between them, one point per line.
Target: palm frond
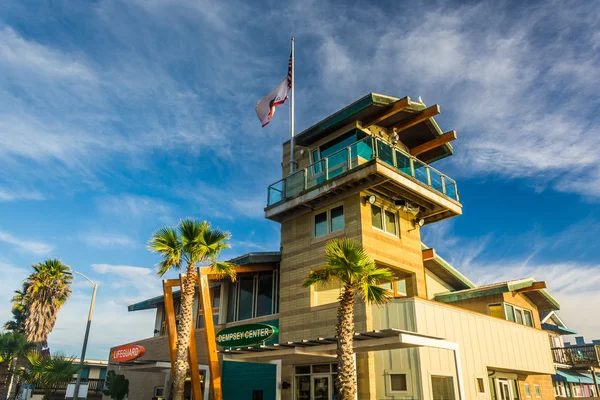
373	294
224	269
191	231
166	242
321	275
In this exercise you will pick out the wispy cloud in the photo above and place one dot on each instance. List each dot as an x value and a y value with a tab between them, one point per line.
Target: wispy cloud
26	245
107	240
133	206
20	194
124	276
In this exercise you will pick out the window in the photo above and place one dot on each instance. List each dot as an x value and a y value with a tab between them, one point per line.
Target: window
159	391
398	383
496	310
527	390
215	301
376	217
480	386
442	388
257	395
518	315
396	288
252	295
384	219
329	221
537	391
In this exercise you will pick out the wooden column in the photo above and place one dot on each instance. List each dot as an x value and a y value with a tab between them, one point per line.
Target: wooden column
168	285
209	332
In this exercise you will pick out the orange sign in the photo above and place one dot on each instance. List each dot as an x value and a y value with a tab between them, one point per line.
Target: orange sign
127	353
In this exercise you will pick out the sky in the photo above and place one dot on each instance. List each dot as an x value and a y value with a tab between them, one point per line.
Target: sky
119	117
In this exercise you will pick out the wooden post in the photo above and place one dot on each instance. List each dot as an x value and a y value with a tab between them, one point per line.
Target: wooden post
596	389
209	332
168	285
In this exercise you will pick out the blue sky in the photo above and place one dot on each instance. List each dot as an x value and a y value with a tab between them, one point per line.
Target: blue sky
117	117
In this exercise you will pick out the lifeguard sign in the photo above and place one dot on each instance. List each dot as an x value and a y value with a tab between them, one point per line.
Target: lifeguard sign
128	352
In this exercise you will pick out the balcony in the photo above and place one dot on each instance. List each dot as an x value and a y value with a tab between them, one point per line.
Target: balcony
399	175
578	356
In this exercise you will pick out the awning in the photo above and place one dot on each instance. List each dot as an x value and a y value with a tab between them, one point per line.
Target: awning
385	339
572	377
561	330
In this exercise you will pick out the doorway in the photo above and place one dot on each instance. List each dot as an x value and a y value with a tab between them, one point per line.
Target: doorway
315	382
321	387
504	390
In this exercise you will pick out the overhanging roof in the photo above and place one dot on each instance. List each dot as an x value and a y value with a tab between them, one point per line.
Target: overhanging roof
384	339
442	269
561	330
267	257
373	106
573	377
540	297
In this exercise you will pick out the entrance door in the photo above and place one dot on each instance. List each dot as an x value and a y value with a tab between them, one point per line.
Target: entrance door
504	390
321	387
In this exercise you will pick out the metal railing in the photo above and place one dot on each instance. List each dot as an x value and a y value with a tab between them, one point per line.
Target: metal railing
585	355
351	157
94	385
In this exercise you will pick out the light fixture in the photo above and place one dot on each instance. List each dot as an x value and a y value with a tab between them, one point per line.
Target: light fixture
371	199
395	136
417	222
400	202
420	222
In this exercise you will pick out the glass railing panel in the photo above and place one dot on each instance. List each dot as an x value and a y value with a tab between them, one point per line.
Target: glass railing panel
451	190
403	162
385	152
420	171
275	193
337	163
361	152
294	184
436	179
315	174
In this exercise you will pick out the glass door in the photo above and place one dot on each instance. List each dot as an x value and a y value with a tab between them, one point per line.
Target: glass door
321	388
504	390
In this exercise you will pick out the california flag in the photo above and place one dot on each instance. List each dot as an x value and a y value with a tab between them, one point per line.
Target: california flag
265	108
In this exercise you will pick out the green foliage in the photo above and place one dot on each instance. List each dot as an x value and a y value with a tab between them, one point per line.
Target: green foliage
14	345
349	263
48	372
117	387
191	243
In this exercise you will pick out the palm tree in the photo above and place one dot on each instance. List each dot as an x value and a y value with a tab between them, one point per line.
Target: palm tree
19	311
349	264
13	345
46	290
191	243
48	372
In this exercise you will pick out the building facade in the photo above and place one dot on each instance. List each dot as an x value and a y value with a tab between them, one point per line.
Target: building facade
365	173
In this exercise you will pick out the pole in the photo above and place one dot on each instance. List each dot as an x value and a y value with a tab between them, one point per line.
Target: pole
85	341
292	161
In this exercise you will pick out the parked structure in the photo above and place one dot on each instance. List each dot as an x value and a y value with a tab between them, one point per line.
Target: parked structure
364	172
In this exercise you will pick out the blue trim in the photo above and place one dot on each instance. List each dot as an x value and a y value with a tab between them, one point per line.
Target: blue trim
558	329
572	377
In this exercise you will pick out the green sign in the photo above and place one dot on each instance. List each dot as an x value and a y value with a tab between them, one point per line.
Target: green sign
245	335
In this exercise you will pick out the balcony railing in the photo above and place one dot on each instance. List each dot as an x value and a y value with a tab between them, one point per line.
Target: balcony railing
94	385
587	355
351	157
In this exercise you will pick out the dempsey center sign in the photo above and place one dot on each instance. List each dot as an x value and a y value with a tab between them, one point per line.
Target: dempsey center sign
245	335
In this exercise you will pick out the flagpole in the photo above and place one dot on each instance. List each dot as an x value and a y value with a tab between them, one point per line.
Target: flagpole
292	161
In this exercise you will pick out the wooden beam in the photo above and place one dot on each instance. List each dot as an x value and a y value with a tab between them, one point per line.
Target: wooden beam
239	269
534	287
398	106
418	118
428	254
211	340
171	283
193	363
171	324
432	144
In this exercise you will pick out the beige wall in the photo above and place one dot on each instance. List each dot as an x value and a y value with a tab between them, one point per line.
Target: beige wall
435	285
485	343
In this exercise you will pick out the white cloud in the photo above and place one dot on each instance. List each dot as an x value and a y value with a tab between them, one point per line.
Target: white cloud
124	271
25	245
133	205
107	240
19	194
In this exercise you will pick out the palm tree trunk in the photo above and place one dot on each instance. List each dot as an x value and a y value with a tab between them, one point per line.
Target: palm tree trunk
345	346
183	333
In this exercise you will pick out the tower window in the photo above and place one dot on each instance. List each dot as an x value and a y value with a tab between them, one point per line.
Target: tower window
329	221
384	219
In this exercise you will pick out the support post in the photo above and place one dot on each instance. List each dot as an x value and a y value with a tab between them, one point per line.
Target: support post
85	342
209	332
596	389
292	161
171	324
193	360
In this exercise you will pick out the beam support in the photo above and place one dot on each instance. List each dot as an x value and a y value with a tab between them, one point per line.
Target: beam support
432	144
398	106
170	318
532	288
424	115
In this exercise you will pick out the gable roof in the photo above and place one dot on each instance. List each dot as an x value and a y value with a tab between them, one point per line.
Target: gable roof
552	322
529	287
443	270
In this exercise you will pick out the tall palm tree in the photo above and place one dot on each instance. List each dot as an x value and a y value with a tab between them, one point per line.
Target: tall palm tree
47	289
19	311
48	372
13	345
191	243
349	264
